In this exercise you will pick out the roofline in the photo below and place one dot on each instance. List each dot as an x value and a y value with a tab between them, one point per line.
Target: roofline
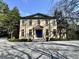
37	17
31	16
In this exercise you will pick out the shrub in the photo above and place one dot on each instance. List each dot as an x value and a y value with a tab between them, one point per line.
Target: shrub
57	39
18	40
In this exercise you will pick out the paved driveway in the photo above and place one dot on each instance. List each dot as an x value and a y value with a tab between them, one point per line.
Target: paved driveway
3	39
39	50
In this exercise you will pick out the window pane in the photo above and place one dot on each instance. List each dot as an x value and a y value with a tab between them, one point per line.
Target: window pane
22	22
54	23
30	32
47	33
38	21
22	32
54	31
30	22
46	22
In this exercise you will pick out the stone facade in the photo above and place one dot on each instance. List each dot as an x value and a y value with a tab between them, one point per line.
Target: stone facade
38	27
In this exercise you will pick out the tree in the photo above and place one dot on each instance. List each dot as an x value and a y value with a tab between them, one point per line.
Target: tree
70	12
14	21
3	14
9	19
61	23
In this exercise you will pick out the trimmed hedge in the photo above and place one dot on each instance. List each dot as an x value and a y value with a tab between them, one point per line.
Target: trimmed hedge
57	39
19	40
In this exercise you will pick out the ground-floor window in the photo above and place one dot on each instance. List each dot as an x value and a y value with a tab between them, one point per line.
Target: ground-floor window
47	32
54	32
39	33
30	32
22	32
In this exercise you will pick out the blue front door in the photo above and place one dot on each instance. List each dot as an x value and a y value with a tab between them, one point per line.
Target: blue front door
39	33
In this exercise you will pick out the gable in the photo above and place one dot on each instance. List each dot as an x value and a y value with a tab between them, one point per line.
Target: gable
38	16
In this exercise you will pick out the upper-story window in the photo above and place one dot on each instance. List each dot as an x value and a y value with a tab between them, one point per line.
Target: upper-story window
30	22
22	22
38	21
46	22
54	23
22	32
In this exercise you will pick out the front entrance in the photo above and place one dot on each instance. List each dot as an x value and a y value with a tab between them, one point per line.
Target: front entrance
39	33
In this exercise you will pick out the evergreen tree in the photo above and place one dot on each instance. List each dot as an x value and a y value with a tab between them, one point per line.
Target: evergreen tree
9	19
3	14
14	21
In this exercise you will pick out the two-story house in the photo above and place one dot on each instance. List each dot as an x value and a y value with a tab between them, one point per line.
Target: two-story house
38	27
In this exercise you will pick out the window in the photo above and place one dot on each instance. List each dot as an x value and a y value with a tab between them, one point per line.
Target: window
54	32
30	32
22	22
54	23
22	32
30	22
38	21
47	32
46	22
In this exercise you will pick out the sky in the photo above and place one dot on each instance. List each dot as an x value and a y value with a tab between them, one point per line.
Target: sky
28	7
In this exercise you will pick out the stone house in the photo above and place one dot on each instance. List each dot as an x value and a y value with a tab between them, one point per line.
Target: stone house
38	27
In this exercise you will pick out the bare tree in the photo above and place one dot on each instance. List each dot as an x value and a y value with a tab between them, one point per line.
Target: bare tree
70	12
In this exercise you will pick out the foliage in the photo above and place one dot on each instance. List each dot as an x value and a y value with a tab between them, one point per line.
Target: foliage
57	39
16	40
77	34
70	11
62	24
9	19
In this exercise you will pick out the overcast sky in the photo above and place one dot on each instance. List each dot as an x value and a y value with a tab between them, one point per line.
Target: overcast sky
27	7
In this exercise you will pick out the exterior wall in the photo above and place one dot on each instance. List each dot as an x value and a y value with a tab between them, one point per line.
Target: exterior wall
52	26
21	27
27	27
